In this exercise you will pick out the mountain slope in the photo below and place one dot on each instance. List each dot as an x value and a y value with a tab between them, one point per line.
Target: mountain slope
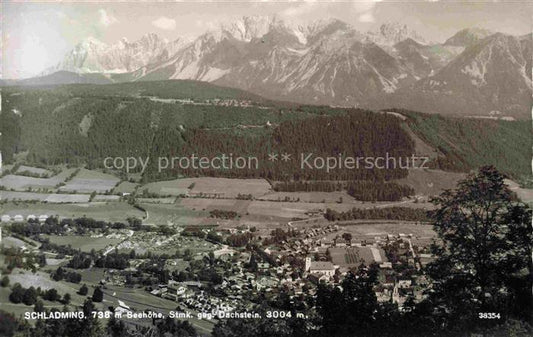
67	77
468	37
491	77
424	60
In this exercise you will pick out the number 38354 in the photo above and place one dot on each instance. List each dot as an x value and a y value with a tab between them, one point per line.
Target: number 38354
489	315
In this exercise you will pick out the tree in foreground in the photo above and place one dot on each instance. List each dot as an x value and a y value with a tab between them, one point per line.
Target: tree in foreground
66	298
98	295
483	263
5	281
350	310
39	306
17	293
83	290
30	296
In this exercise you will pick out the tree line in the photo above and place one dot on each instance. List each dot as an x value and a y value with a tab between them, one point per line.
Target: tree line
388	213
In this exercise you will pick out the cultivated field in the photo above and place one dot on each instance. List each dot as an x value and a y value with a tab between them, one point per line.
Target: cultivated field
35	170
87	181
106	198
354	256
226	188
169	187
168	200
67	198
431	182
340	256
125	187
21	183
84	243
45	197
230	188
89	185
113	211
24	196
164	214
96	175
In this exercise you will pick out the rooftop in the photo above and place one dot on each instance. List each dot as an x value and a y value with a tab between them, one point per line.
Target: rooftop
320	265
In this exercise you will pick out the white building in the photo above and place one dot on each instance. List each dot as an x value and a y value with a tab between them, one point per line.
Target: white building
319	267
122	308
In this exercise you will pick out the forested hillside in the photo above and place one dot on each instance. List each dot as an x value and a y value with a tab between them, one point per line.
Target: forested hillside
465	144
83	124
358	133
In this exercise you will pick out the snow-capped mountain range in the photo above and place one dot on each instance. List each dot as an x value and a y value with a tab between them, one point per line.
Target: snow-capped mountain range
329	62
94	56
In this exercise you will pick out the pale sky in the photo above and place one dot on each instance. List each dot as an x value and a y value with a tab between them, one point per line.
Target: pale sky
37	35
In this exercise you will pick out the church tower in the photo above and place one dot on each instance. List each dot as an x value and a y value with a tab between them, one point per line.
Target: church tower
307	263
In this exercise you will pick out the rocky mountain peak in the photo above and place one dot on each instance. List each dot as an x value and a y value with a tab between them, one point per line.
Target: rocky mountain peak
467	37
391	33
247	28
91	43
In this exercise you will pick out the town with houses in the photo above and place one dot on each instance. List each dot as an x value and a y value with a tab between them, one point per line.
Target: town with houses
293	261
